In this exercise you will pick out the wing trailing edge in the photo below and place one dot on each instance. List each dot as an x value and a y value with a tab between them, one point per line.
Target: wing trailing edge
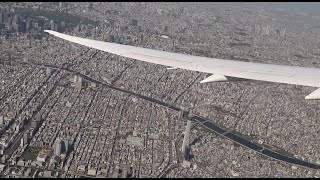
222	69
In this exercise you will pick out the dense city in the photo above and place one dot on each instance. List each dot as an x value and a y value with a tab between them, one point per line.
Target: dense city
67	110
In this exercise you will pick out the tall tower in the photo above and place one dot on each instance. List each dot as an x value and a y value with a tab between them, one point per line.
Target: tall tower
65	146
57	147
1	120
25	138
186	143
2	148
78	82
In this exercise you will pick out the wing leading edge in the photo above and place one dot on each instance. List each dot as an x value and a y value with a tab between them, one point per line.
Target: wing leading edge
243	70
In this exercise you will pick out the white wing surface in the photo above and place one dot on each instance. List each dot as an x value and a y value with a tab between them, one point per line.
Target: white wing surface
228	68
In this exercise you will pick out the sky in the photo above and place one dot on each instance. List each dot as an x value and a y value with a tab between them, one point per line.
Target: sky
311	8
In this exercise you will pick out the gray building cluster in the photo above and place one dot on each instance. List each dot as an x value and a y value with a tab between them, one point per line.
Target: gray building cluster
57	119
13	22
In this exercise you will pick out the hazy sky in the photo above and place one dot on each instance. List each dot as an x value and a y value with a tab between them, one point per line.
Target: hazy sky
312	8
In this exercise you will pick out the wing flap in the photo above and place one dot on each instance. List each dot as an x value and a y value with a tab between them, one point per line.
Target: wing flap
215	78
314	95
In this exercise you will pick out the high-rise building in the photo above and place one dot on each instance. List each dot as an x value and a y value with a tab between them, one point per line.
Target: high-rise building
78	82
65	146
56	27
57	147
1	17
2	149
16	27
186	164
186	155
35	122
111	38
48	71
25	138
52	26
40	22
22	27
15	19
185	143
22	142
16	128
62	26
38	117
8	22
189	113
28	24
1	120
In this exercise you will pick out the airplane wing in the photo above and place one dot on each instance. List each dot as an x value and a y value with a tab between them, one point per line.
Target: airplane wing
221	70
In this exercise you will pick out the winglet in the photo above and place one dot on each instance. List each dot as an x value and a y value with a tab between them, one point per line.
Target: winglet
314	95
215	78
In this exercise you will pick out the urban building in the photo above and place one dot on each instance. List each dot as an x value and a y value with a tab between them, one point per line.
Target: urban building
65	146
135	141
42	157
1	17
92	172
78	82
186	139
25	138
57	147
186	164
1	120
